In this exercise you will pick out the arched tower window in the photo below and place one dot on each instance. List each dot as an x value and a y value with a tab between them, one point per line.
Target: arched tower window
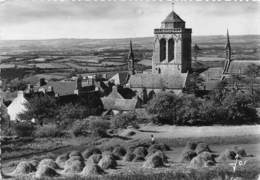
162	49
171	49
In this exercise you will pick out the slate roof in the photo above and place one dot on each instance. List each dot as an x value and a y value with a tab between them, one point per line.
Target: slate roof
120	78
172	17
212	73
240	66
119	104
60	87
158	81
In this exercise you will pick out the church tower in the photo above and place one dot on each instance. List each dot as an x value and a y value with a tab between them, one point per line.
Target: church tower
131	60
172	47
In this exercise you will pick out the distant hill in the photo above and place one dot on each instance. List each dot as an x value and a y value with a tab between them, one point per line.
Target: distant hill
16	46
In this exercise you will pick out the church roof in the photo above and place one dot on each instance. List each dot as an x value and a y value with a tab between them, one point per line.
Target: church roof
172	17
240	66
158	81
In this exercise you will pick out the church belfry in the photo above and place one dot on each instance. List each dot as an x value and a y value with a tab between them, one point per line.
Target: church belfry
131	60
172	46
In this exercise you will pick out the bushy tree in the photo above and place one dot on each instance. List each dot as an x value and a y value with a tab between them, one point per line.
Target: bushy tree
69	113
43	108
189	111
239	108
124	120
165	106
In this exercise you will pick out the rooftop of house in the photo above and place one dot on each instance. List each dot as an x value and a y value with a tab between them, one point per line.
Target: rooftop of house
158	81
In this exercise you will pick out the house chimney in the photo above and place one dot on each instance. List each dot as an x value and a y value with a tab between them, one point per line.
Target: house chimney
20	93
79	83
42	82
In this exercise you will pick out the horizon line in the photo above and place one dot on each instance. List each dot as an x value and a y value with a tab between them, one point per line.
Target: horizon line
77	38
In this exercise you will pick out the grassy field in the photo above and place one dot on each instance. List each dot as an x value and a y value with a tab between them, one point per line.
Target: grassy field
219	138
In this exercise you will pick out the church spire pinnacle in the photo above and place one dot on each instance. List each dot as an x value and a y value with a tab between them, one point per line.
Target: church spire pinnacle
228	54
131	59
228	47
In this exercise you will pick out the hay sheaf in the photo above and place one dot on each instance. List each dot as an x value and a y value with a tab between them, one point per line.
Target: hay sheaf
138	159
94	159
140	152
188	155
92	170
159	153
154	161
46	171
107	161
111	154
74	153
34	162
78	158
202	147
240	151
23	168
119	151
61	159
160	146
71	161
48	162
74	167
190	145
88	152
204	159
129	157
226	155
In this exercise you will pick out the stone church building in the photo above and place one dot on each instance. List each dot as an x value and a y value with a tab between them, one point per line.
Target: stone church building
171	61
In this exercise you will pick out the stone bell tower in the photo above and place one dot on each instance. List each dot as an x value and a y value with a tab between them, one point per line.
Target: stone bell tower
172	47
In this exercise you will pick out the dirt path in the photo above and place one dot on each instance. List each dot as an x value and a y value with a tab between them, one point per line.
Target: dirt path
167	131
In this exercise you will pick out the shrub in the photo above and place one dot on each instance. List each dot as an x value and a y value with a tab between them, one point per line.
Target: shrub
80	127
24	129
124	120
48	131
99	127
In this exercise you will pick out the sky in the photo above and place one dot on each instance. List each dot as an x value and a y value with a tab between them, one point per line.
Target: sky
52	19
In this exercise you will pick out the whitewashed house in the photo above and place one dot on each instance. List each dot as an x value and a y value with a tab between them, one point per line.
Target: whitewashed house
17	106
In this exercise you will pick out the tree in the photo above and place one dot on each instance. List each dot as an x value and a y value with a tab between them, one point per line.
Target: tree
196	50
69	113
195	81
239	108
43	108
165	106
189	111
17	84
